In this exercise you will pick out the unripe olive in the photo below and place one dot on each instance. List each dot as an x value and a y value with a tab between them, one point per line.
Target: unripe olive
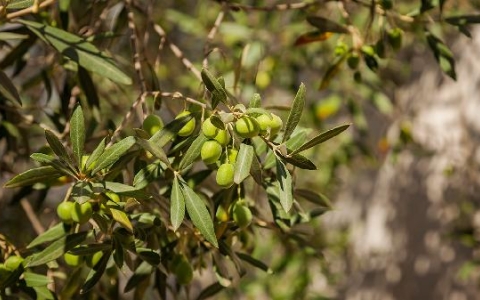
188	128
247	127
209	130
223	137
395	38
221	214
93	259
225	174
242	215
81	213
232	155
152	124
64	212
266	122
211	151
183	270
4	273
72	260
13	262
353	60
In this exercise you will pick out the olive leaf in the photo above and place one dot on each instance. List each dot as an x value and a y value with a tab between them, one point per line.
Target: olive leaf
8	89
95	273
199	214
177	205
33	176
295	113
77	134
284	179
193	151
244	163
52	234
113	153
322	137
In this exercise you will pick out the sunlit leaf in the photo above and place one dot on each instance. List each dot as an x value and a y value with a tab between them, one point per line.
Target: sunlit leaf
34	280
214	86
19	4
92	158
167	133
50	235
193	151
122	218
154	149
56	145
243	163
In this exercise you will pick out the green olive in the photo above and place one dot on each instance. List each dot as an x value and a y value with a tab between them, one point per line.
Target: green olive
209	130
225	175
353	60
81	213
183	270
188	128
242	215
72	260
13	262
210	152
247	127
64	212
4	273
93	259
223	137
152	124
272	123
232	155
395	36
221	214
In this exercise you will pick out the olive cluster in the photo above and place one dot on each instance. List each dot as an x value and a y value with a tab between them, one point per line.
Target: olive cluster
69	212
219	142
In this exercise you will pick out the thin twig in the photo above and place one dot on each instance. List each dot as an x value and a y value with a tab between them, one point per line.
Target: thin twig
32	217
177	52
140	99
32	9
281	7
211	35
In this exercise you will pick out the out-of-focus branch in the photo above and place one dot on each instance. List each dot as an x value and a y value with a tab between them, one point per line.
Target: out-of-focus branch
32	9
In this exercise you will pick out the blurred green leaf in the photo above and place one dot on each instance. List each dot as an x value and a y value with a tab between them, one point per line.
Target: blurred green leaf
210	291
443	54
113	153
313	197
90	249
142	272
79	50
36	280
19	4
122	218
255	101
96	273
326	25
8	89
254	262
322	137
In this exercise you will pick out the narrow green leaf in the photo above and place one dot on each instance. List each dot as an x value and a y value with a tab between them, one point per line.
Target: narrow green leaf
244	163
167	133
57	145
56	249
193	152
19	4
300	161
33	176
199	214
295	113
96	273
122	189
113	153
149	256
79	50
90	249
463	20
210	291
285	186
147	175
82	191
51	234
77	134
331	72
154	149
34	280
44	293
254	262
256	171
213	85
217	122
313	197
177	205
8	89
42	158
90	164
443	54
322	137
5	36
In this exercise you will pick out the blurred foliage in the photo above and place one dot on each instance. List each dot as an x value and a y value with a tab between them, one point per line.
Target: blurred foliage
124	61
